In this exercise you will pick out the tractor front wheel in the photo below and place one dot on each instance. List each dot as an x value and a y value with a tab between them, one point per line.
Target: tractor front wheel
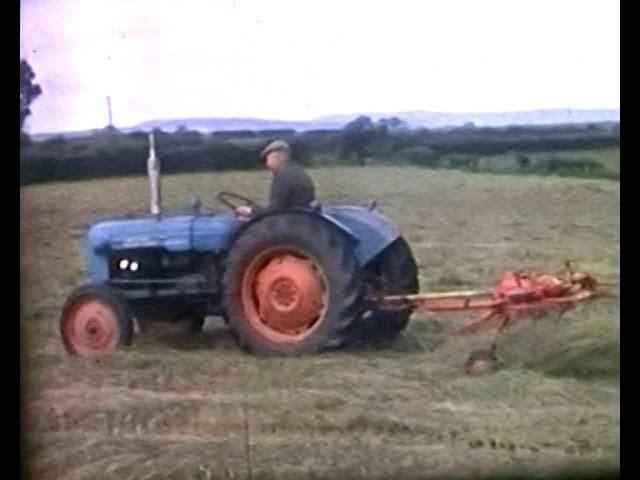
95	321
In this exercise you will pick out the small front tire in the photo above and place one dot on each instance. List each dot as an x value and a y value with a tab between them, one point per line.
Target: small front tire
95	321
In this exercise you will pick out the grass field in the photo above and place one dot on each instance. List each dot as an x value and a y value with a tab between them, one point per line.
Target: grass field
173	406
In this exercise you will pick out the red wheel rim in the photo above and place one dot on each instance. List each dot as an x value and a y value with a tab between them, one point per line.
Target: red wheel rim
90	328
284	295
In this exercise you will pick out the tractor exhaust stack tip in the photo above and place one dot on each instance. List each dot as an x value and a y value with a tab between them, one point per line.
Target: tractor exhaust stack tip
153	169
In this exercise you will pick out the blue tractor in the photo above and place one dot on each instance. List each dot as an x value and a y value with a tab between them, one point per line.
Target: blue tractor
288	282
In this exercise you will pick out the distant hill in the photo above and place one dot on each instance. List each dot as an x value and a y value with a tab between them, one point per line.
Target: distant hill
416	119
532	117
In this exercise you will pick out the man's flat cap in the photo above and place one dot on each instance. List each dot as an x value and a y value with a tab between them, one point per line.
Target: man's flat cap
275	146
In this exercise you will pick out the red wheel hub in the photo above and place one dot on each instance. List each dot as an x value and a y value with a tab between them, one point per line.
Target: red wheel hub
90	328
284	296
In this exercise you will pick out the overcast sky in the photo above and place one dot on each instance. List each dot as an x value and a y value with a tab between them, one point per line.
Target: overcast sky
297	60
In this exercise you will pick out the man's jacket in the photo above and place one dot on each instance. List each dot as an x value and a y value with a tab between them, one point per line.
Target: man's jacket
291	187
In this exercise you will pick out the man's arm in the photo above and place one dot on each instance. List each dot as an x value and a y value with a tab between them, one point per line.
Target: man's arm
278	196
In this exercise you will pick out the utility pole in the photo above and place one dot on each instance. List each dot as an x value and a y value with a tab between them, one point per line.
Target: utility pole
109	109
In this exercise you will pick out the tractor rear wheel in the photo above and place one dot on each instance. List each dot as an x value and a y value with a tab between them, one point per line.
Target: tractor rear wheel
95	321
292	286
395	272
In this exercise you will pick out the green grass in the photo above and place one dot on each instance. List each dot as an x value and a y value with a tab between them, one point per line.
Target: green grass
172	406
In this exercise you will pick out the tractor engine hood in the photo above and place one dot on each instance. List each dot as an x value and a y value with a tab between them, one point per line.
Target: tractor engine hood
177	233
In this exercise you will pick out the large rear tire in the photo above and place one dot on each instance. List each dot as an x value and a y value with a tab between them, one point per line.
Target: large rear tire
395	272
95	321
292	286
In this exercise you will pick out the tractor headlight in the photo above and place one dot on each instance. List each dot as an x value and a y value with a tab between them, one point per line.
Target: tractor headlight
131	265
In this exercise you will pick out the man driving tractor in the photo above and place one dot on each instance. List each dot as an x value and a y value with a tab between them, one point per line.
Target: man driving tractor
291	186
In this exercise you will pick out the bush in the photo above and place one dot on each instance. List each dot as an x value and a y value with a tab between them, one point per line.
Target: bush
127	155
499	163
457	160
523	161
554	164
420	155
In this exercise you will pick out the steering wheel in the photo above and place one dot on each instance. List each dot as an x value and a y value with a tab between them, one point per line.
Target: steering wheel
230	200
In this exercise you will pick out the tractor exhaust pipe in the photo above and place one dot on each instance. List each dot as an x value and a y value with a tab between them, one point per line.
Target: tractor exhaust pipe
153	169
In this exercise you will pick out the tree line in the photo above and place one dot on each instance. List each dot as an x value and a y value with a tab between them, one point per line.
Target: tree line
363	141
112	153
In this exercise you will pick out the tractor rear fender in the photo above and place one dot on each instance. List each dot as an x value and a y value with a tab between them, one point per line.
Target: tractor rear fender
372	230
368	232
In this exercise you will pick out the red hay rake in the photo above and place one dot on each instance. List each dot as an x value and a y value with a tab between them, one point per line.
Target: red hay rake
515	295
